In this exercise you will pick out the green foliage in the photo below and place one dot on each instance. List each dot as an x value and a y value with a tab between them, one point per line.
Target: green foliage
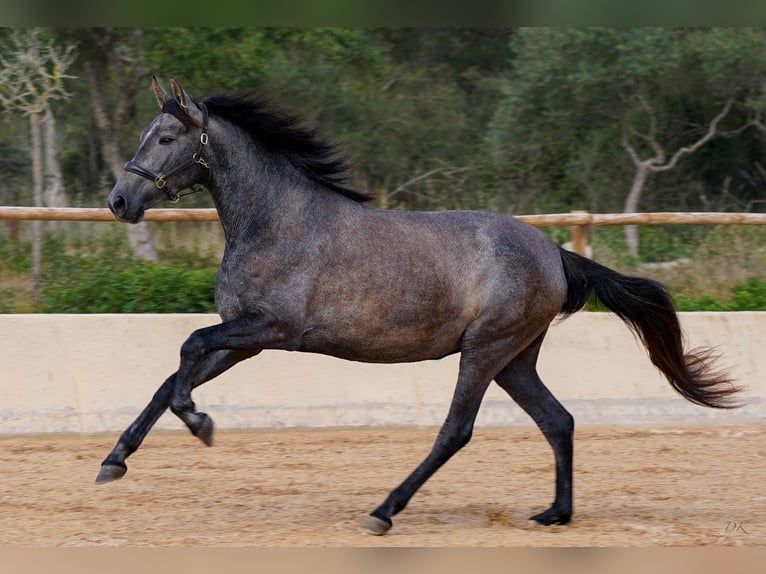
15	256
749	295
731	59
555	138
668	242
524	120
89	274
564	95
706	268
409	105
6	297
105	282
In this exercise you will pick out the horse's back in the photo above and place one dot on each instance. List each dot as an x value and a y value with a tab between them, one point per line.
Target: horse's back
478	248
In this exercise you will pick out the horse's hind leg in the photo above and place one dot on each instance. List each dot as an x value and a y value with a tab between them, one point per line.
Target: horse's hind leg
473	380
521	381
114	466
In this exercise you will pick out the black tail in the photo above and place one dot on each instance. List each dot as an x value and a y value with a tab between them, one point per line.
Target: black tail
647	308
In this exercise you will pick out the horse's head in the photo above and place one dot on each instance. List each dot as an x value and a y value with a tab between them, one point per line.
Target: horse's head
169	156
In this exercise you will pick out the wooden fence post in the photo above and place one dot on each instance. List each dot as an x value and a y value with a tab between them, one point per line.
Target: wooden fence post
579	234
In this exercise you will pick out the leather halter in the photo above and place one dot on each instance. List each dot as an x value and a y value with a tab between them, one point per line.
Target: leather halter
161	181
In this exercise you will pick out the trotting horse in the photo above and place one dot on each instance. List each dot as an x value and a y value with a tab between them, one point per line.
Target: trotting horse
308	266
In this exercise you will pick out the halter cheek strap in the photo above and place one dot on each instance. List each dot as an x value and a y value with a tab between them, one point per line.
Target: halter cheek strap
161	181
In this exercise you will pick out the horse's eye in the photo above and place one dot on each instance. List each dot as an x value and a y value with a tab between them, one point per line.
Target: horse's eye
166	140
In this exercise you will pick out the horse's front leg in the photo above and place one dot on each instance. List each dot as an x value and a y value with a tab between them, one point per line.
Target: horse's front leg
249	334
114	466
207	353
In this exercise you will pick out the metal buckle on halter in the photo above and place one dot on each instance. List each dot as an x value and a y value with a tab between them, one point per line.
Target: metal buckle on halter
160	182
199	160
203	139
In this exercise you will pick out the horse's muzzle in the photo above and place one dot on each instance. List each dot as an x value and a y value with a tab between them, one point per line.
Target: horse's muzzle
120	208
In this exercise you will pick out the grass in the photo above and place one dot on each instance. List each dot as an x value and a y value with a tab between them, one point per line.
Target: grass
95	273
692	261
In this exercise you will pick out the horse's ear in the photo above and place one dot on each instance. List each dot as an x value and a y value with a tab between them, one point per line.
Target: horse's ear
187	103
161	95
180	94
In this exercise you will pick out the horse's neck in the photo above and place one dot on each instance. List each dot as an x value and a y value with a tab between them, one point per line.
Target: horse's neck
254	197
256	191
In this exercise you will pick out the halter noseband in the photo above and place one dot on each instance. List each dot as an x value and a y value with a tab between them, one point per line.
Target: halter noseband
160	181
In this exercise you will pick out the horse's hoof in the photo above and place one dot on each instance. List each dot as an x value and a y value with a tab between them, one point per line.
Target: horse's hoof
374	525
110	472
204	431
550	517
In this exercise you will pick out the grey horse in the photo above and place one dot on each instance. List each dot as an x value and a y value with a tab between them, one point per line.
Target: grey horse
310	266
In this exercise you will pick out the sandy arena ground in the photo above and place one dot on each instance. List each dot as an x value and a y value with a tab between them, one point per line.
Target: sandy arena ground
675	486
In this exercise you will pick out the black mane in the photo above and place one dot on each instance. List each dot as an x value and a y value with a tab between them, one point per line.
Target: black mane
281	132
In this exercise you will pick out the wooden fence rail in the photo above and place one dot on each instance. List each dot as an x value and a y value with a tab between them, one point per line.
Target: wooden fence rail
101	214
577	221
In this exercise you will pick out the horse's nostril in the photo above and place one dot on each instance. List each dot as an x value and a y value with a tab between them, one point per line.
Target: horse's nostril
118	205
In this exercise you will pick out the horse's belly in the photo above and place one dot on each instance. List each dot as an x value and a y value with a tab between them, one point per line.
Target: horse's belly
372	344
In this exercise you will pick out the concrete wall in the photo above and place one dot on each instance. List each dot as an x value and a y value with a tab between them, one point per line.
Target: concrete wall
94	373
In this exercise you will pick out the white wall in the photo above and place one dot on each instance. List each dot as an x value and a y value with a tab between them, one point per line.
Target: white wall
94	373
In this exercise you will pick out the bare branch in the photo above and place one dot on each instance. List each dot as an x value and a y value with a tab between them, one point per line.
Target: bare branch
448	171
711	132
758	124
625	140
651	137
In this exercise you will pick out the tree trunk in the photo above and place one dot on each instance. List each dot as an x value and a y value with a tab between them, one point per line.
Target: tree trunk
631	205
37	196
53	193
139	236
53	181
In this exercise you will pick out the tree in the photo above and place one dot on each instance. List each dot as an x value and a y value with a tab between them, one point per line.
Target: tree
659	161
32	73
409	104
112	65
574	97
